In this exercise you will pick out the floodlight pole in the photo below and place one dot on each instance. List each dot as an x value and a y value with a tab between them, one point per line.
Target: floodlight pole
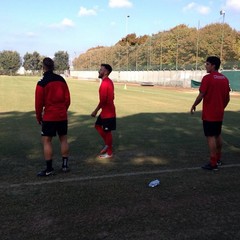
196	67
177	48
161	51
222	13
127	41
127	17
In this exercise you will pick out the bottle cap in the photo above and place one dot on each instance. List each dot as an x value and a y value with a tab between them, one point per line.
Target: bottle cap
154	183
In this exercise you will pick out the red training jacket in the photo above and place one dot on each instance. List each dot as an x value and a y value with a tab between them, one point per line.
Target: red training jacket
215	87
106	97
52	98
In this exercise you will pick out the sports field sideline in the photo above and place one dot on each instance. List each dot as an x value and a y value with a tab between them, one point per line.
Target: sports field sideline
128	174
156	137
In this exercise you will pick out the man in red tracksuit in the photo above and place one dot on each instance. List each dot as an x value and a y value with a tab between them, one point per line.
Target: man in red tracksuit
214	91
52	99
106	121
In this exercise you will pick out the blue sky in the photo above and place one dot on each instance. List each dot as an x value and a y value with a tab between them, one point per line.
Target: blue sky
48	26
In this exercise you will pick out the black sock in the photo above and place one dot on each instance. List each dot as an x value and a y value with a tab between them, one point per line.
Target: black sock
64	161
49	165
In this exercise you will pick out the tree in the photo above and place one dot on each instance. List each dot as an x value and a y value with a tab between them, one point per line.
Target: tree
10	62
32	62
61	60
178	48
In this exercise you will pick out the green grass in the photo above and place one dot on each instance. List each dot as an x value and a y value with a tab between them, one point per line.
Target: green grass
155	132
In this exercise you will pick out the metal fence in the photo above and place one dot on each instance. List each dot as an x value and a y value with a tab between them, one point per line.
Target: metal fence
164	78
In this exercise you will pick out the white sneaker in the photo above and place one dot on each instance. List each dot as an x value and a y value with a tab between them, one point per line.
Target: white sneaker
104	150
105	156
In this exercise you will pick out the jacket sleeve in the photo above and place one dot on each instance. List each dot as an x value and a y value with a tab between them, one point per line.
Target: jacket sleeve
67	98
39	102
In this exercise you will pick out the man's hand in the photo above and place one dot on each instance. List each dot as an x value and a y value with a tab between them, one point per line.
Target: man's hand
193	109
94	113
197	101
39	120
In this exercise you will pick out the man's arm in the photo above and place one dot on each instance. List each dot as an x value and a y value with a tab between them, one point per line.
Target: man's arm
227	101
39	103
197	101
67	97
94	113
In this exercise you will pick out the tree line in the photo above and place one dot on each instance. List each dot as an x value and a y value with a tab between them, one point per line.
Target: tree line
179	48
10	62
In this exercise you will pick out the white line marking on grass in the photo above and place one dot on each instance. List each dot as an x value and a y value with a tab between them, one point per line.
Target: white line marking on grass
87	178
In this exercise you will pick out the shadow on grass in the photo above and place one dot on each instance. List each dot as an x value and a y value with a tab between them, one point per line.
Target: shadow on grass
144	141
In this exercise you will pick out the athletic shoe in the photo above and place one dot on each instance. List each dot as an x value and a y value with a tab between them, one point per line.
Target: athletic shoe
219	163
65	169
105	156
210	167
104	150
46	173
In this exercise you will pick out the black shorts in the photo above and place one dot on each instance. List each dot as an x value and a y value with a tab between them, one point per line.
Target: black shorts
212	128
108	124
50	129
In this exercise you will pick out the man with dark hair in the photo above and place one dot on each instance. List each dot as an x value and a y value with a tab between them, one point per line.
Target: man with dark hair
48	63
106	121
214	90
52	100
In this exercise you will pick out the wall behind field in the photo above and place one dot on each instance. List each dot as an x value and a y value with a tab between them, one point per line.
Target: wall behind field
164	78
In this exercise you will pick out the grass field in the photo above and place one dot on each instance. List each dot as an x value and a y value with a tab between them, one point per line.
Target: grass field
156	137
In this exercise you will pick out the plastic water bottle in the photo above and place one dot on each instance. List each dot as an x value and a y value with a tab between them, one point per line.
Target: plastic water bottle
154	183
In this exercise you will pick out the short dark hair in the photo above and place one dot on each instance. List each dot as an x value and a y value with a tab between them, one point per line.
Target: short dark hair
48	63
107	66
214	61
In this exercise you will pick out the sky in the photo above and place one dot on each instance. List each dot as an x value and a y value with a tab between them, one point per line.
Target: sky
48	26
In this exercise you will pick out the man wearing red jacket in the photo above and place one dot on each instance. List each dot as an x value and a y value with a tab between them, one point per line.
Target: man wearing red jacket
106	121
214	91
52	100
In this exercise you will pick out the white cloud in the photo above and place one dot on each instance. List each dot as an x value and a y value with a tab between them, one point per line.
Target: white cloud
190	6
63	24
87	12
197	8
233	4
203	10
31	34
119	3
112	23
67	22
